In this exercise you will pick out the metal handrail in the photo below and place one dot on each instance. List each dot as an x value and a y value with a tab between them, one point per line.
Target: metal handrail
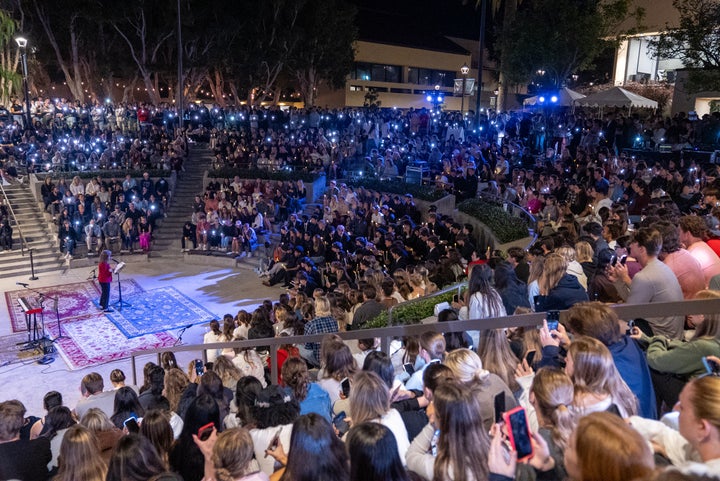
23	242
386	334
453	287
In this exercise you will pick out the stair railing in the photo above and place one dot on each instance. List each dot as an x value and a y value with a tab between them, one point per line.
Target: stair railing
6	200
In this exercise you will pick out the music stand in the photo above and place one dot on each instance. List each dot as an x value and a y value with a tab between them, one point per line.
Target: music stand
56	301
120	303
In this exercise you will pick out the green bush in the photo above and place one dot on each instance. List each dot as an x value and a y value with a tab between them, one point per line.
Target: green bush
229	173
505	226
424	192
410	313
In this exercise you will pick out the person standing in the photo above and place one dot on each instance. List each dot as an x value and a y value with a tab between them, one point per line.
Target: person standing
105	278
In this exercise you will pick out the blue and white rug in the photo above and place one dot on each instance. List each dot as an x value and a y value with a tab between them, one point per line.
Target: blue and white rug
157	310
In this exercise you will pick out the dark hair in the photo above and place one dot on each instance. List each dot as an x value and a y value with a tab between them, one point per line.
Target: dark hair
670	236
275	406
380	363
52	399
436	374
134	459
246	392
167	360
295	375
57	418
316	453
186	458
374	454
650	239
156	427
126	405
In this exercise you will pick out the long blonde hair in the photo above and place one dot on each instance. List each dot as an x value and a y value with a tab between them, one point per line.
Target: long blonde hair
554	392
553	270
594	372
175	383
232	454
584	251
369	397
497	357
80	457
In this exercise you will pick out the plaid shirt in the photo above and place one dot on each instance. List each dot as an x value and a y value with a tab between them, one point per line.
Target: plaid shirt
319	325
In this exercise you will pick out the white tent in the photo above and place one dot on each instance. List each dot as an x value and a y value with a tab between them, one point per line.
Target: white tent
565	98
616	97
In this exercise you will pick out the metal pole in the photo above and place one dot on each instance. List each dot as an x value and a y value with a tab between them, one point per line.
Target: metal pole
481	57
33	277
462	97
28	117
180	93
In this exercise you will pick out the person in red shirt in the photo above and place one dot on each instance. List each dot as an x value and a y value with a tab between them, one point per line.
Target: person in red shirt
105	278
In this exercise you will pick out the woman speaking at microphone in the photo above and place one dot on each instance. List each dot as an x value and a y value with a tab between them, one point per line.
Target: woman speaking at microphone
105	278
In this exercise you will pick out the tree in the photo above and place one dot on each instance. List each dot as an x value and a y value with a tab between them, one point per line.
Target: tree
696	42
324	53
9	56
558	37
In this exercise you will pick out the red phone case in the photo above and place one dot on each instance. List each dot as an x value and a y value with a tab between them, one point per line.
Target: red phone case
506	417
208	426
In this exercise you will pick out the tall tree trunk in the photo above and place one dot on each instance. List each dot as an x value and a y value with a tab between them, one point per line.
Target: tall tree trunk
509	13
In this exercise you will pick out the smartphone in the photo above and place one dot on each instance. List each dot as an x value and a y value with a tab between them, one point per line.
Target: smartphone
199	368
272	446
518	431
205	431
614	261
499	406
340	424
345	386
711	367
456	298
530	356
409	368
553	319
623	260
132	425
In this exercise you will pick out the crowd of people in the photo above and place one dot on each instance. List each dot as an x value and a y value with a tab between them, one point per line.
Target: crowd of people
603	398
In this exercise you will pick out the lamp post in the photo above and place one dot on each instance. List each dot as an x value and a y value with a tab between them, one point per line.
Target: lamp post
22	43
464	70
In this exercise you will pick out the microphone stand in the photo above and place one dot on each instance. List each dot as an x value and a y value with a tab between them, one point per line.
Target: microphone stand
93	275
181	332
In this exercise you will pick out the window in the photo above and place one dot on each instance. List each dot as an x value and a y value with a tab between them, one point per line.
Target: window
376	72
426	76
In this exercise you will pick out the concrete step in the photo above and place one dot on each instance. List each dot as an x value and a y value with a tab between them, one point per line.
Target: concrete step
27	272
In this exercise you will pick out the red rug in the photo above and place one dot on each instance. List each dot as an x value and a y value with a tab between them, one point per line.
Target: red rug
74	301
92	338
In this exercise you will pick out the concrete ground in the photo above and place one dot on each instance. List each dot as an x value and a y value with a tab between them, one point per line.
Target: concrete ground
219	289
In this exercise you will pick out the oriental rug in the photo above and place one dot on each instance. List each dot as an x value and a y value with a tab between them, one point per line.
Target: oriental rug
76	300
12	350
157	310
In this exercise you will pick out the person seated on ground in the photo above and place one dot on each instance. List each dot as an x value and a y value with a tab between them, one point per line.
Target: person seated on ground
19	458
229	456
312	398
558	289
50	400
58	420
93	396
80	457
323	322
275	411
136	459
673	363
105	432
126	405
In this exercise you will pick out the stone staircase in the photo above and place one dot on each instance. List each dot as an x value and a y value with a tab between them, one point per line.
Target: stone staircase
37	234
166	239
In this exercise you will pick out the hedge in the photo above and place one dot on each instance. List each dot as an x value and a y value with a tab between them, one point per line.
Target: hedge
506	227
410	313
423	192
229	173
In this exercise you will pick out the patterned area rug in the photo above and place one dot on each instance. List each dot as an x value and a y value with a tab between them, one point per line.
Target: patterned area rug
74	301
91	338
157	310
96	340
12	350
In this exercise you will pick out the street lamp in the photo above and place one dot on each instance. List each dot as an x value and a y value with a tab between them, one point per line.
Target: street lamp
22	43
464	70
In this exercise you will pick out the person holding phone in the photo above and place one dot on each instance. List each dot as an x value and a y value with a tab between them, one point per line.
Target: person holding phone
105	279
458	434
229	456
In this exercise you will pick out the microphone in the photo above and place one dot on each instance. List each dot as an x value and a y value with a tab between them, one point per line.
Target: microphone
22	284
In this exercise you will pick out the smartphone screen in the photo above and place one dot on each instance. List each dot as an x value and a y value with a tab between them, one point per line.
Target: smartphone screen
499	405
553	318
530	356
345	386
205	431
340	424
409	368
132	425
623	260
199	367
519	432
711	367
